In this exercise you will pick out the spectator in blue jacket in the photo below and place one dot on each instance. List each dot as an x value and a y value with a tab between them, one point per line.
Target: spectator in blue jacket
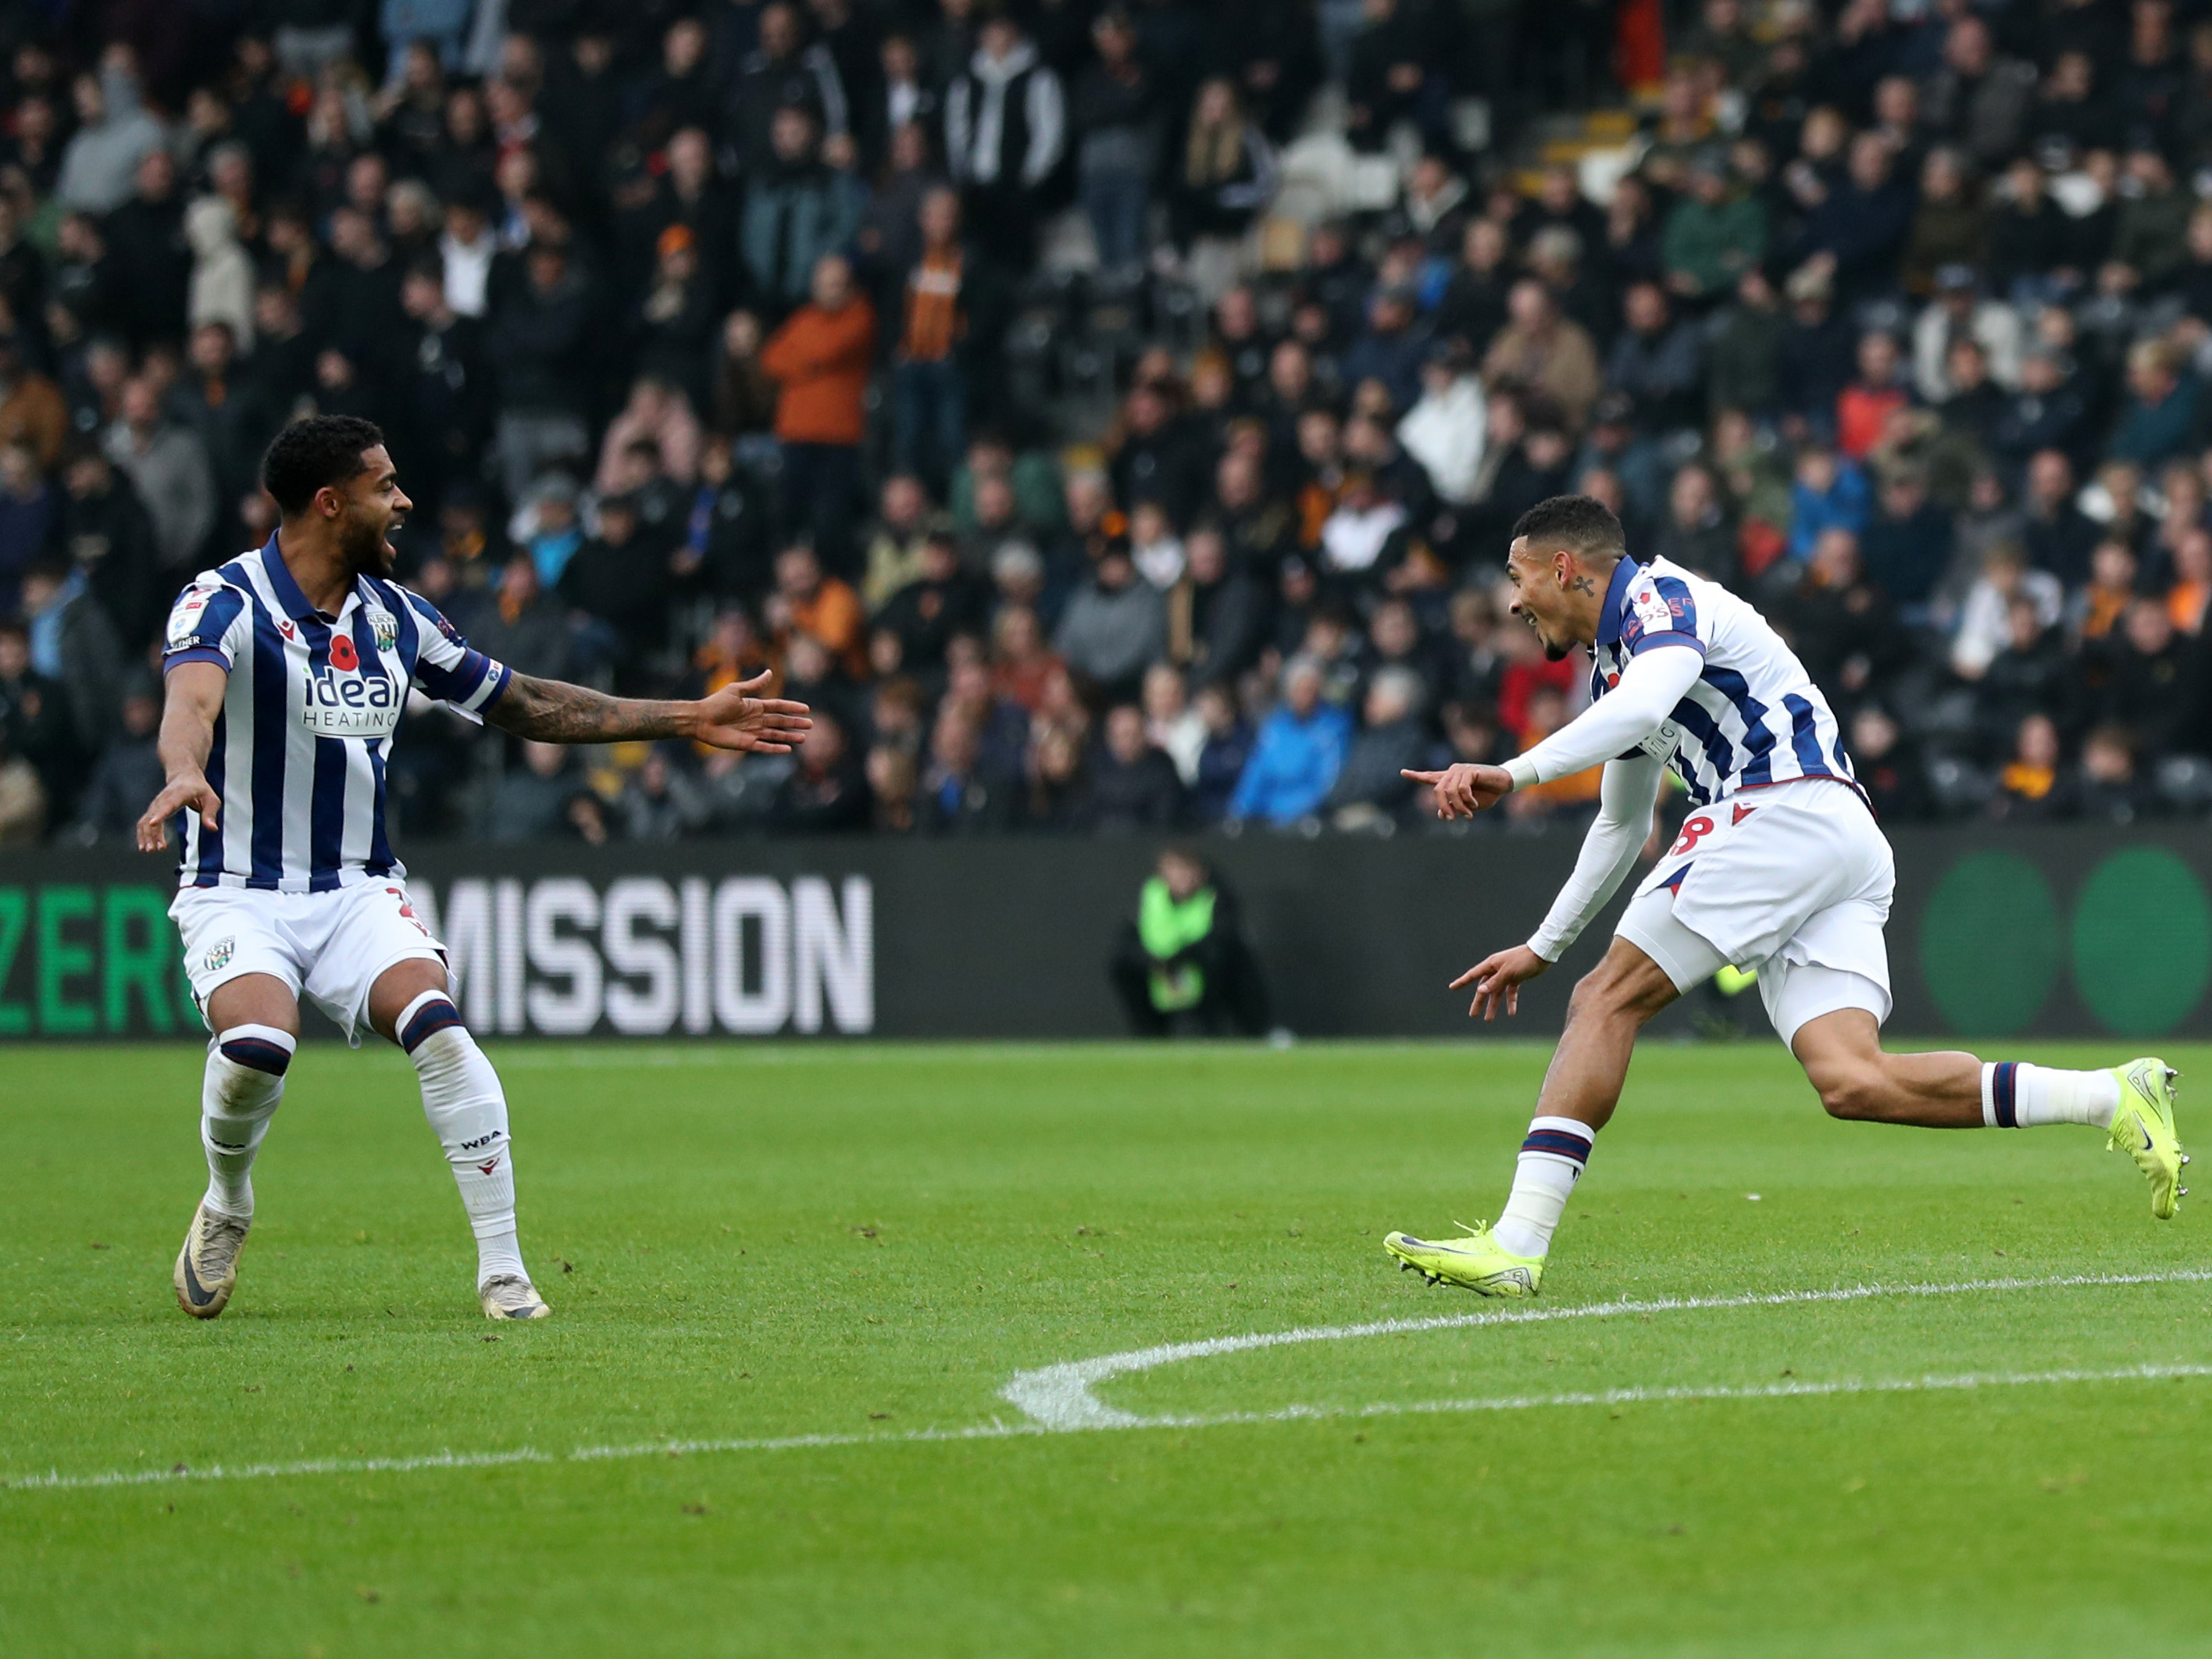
1301	750
1830	493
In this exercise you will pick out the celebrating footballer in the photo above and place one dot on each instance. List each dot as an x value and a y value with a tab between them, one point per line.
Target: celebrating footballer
287	670
1779	868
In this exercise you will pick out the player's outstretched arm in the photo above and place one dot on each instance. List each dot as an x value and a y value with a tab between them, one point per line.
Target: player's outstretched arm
1652	683
1628	791
554	711
193	697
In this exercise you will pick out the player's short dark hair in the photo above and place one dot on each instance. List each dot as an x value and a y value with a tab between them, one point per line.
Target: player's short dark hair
1582	524
309	454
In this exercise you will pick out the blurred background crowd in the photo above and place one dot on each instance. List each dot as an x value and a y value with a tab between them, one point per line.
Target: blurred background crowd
1112	418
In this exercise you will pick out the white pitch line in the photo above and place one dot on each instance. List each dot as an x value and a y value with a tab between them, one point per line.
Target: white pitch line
58	1482
1524	1402
1966	1381
1059	1397
1106	1418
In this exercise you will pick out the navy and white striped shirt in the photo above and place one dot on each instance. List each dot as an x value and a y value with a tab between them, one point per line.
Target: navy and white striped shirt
1752	716
307	719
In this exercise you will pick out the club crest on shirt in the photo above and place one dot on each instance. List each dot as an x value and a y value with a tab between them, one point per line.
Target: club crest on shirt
219	953
385	626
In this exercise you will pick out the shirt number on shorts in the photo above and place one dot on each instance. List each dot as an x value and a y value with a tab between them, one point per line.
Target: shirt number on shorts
407	909
1693	831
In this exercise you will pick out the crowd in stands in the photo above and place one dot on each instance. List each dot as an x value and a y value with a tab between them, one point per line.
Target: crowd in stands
716	334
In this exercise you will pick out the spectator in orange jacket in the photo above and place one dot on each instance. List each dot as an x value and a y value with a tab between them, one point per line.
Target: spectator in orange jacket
32	411
822	358
807	602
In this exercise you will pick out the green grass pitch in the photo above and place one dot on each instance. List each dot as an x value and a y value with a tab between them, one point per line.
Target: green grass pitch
856	1248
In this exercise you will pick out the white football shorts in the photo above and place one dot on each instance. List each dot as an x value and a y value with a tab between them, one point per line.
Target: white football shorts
332	946
1793	880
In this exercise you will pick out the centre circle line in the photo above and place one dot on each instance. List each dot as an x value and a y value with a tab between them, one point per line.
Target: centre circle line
1062	1389
1062	1398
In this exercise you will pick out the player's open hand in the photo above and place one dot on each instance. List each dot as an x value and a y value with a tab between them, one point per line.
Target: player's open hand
1497	979
734	718
1462	791
188	790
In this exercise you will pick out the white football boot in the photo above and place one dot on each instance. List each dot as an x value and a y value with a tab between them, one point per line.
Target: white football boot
207	1267
509	1297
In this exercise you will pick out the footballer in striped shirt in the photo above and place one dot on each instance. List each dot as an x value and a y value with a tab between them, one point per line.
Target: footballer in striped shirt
287	670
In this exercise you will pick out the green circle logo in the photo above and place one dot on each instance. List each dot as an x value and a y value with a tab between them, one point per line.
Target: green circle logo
2142	941
1989	944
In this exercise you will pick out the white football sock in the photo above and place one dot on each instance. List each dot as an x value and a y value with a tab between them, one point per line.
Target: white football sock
462	1098
245	1080
1551	1161
2018	1096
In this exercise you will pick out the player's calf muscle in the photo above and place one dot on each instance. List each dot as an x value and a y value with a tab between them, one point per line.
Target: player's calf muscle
1844	1060
1856	1091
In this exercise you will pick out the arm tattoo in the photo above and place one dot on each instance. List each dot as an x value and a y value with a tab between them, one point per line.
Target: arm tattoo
554	711
1582	584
